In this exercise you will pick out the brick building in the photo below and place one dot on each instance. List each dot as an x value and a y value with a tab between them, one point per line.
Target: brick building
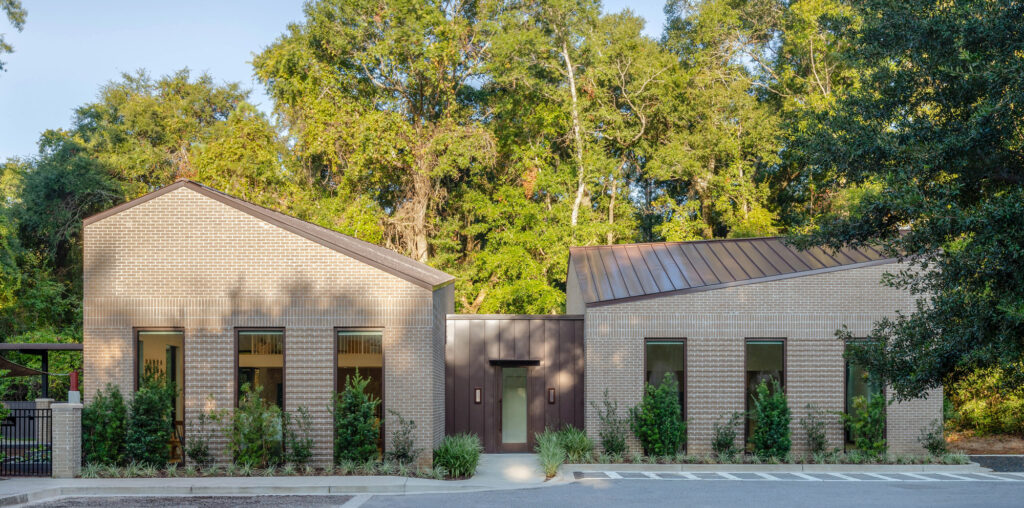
220	293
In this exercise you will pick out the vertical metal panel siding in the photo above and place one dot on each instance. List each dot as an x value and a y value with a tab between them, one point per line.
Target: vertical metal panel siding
556	342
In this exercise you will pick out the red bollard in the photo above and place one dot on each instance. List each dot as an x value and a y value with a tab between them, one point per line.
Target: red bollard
74	380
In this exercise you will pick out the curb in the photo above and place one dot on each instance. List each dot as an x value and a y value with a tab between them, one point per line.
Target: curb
973	467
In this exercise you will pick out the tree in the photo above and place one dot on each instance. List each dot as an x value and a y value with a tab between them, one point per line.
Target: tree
16	17
936	126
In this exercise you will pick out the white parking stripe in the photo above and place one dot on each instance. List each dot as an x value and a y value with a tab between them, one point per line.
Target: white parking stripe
613	475
921	477
806	477
652	476
994	476
767	476
1016	474
844	477
958	477
880	477
690	476
728	476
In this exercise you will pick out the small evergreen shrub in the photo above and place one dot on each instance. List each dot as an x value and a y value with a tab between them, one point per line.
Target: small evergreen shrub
104	428
254	431
298	436
151	420
933	439
813	424
771	437
578	448
197	444
458	455
867	425
657	421
356	426
550	453
403	450
723	442
613	427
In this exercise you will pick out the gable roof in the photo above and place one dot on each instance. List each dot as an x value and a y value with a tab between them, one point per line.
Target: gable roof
374	255
616	273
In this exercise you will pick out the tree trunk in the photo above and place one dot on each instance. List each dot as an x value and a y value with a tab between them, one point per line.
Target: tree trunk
577	137
611	210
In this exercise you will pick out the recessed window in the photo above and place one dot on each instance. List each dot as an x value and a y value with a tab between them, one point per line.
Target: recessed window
859	383
765	360
667	357
261	363
161	352
362	350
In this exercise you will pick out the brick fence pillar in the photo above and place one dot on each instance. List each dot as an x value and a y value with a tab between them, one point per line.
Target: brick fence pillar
66	458
43	425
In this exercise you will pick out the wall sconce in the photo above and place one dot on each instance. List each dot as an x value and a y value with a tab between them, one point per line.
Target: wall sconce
476	396
551	395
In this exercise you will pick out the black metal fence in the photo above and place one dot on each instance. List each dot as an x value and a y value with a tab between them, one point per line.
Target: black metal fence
26	441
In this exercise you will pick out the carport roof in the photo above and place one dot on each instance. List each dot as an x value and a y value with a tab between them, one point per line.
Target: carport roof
616	273
383	258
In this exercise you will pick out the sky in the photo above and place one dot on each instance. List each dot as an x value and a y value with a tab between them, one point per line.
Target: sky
70	48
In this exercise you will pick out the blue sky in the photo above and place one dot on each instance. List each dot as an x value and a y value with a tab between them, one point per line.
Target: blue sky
70	48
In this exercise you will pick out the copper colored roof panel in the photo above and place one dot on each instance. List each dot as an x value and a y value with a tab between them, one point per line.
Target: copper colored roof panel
613	273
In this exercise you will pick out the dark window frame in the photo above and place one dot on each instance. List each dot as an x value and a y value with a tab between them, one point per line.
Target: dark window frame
686	366
184	372
746	398
284	360
383	370
847	442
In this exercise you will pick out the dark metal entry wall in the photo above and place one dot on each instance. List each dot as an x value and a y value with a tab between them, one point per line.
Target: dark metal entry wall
477	346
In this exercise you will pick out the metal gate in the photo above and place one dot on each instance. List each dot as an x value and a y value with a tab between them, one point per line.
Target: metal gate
26	441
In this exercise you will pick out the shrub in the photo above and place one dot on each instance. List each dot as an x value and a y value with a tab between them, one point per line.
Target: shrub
403	449
933	439
989	401
770	413
458	455
151	420
724	441
104	428
356	427
813	424
549	452
298	439
657	422
197	444
867	425
578	448
254	433
613	427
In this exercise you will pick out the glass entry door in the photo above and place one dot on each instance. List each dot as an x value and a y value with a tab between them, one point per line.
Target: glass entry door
513	408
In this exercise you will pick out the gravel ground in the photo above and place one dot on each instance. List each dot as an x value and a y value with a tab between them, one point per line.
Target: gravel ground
1001	463
198	501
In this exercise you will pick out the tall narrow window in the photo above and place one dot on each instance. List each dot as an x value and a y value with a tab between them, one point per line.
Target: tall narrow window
362	350
859	383
261	363
667	357
160	352
765	360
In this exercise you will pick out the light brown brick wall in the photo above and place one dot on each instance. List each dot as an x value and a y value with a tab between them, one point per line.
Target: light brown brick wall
185	260
805	310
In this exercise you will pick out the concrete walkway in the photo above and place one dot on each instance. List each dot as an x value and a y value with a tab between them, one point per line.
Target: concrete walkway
495	472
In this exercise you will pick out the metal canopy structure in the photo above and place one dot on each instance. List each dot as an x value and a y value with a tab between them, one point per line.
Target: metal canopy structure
41	349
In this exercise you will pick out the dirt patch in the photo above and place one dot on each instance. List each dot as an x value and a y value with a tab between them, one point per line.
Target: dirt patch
970	444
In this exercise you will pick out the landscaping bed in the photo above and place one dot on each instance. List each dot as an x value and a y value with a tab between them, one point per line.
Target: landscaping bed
970	443
233	470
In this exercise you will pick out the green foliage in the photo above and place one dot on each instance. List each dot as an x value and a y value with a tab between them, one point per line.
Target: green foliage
356	426
403	444
613	427
458	455
197	442
550	453
16	17
813	423
104	428
151	419
770	415
933	438
298	439
657	421
254	430
723	441
867	425
989	401
579	449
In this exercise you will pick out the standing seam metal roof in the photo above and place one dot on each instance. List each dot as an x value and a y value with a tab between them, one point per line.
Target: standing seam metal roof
614	273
